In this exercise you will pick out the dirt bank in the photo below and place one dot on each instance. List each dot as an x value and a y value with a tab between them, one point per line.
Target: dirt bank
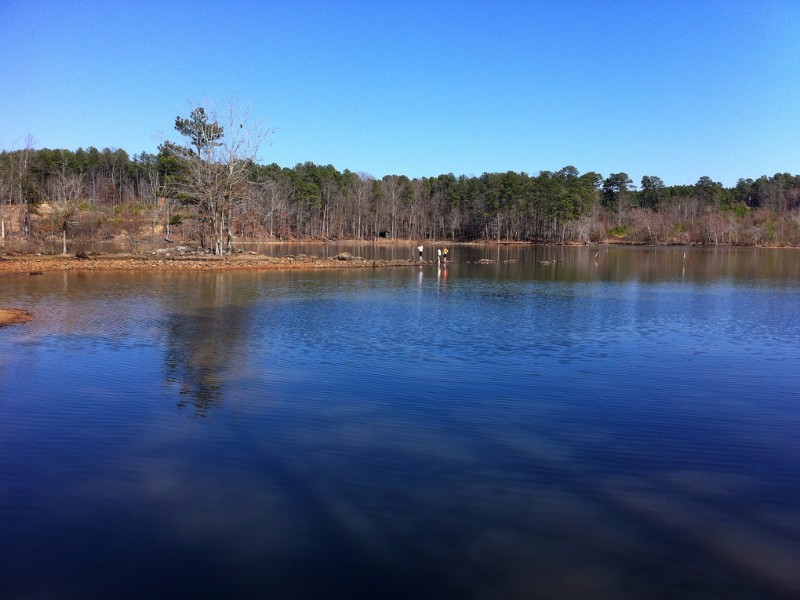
35	265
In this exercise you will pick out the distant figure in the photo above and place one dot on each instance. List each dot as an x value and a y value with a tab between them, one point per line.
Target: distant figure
419	249
438	255
444	254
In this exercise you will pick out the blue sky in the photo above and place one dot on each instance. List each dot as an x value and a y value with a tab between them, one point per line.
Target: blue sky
677	89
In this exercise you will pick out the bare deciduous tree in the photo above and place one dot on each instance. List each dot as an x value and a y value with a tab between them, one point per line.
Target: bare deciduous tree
216	156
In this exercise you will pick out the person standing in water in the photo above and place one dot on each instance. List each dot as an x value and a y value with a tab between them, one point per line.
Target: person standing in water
438	255
444	254
419	249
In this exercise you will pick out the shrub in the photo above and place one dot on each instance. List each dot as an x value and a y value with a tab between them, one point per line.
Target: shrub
620	231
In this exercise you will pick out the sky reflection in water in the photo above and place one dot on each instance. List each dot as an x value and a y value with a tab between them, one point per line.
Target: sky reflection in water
492	431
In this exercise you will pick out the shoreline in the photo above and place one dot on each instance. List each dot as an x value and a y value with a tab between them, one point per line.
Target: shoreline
31	265
37	264
27	264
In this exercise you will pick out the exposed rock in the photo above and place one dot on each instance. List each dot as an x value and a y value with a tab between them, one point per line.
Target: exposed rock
14	316
27	264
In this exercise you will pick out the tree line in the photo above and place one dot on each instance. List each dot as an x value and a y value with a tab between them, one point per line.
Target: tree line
209	190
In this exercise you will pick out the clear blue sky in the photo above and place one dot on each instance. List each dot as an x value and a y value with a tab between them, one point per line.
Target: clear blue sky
677	89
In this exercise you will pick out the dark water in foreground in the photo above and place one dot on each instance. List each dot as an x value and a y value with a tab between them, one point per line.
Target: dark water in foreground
625	426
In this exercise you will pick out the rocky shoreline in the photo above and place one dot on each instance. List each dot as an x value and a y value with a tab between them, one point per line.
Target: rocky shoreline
29	265
36	265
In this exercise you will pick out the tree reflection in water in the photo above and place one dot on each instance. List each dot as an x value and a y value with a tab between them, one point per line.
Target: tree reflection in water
202	341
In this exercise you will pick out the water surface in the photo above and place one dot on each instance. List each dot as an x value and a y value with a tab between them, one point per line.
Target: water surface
617	423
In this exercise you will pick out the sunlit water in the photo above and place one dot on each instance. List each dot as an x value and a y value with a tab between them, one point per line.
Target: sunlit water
625	425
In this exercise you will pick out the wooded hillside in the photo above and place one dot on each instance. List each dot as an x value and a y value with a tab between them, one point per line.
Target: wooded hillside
91	194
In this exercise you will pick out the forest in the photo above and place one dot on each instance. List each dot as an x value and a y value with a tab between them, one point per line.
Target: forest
198	194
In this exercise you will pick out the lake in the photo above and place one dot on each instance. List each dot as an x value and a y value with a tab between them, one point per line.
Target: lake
558	423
